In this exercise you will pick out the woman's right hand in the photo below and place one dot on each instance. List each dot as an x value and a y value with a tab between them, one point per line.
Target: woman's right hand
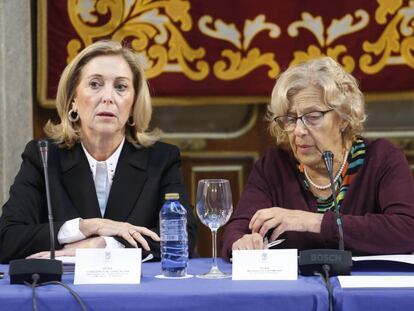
69	250
106	227
249	241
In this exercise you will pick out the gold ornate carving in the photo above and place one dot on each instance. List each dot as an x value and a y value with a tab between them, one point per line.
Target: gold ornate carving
407	51
395	45
387	43
159	30
386	7
239	63
314	52
302	56
240	66
337	28
155	28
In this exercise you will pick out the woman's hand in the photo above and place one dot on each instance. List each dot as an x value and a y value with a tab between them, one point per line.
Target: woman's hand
249	241
70	249
94	242
282	220
60	253
106	227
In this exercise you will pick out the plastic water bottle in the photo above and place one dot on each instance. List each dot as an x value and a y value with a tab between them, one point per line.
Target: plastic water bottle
174	238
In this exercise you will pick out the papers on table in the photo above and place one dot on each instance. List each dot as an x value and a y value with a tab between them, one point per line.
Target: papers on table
67	260
70	261
396	258
395	263
375	281
381	263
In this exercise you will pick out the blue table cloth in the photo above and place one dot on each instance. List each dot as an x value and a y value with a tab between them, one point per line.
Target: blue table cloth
373	299
307	293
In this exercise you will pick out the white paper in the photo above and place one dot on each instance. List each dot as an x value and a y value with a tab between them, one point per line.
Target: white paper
67	260
269	264
108	266
397	258
385	281
71	260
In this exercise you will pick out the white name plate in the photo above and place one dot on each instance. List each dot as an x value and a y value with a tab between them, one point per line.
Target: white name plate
267	264
108	266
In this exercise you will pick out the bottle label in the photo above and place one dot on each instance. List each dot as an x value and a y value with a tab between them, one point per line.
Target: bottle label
173	230
171	237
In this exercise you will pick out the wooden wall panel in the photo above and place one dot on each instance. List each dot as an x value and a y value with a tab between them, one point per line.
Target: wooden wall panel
234	166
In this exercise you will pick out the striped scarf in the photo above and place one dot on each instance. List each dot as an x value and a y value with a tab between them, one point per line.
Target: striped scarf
355	160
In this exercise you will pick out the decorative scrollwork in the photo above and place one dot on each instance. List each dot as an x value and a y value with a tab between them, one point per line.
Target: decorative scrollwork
160	32
390	48
313	24
238	65
337	29
315	52
222	31
345	25
252	28
155	28
386	7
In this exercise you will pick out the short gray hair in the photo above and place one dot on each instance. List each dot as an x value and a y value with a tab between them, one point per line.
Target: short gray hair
339	90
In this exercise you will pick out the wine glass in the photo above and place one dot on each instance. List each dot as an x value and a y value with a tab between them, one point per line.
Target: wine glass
214	207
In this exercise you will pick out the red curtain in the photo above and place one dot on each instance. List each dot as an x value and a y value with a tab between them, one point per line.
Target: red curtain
232	47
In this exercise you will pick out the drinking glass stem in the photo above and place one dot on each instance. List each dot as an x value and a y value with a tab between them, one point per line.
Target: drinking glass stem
214	250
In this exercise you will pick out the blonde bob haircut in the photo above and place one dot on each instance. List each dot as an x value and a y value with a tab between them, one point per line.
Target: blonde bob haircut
66	133
338	88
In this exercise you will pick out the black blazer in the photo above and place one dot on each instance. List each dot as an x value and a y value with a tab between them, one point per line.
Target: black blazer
142	178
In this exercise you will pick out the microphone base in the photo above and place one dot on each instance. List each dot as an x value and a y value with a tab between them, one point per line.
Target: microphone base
312	260
21	270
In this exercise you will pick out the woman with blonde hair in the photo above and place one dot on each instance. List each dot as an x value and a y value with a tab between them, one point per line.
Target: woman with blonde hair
316	107
108	173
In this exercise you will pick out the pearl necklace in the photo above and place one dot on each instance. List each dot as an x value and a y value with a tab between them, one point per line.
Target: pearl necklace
336	176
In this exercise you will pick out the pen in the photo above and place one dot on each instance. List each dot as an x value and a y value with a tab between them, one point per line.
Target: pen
274	243
268	245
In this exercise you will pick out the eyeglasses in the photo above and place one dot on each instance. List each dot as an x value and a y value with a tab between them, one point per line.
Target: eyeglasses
310	119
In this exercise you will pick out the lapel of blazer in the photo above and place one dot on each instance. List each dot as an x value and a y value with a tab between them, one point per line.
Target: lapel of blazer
128	182
78	180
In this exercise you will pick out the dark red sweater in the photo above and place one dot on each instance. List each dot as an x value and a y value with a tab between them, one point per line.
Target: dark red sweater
377	211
